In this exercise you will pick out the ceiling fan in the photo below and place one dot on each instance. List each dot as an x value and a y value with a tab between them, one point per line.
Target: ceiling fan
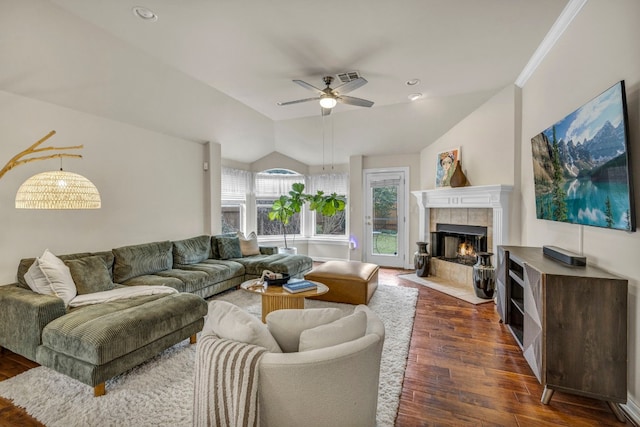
329	97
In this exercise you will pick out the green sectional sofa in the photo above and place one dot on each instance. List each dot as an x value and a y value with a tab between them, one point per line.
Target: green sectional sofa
93	343
197	266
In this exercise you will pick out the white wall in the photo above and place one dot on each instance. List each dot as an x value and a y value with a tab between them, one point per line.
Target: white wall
278	160
487	140
598	49
413	163
151	184
485	137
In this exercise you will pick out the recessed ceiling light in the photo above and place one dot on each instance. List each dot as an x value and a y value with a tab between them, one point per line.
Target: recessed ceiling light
144	13
413	82
414	96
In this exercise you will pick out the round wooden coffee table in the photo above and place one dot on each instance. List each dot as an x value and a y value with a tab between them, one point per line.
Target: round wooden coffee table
276	298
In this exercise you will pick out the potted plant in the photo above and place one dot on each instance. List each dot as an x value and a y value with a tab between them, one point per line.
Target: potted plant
286	206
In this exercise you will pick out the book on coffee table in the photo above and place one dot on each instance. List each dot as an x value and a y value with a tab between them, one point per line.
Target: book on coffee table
295	286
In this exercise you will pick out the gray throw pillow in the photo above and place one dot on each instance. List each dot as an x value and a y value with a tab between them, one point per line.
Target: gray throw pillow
229	247
215	253
90	275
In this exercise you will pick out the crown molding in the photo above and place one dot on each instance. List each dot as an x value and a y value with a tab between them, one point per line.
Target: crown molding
570	11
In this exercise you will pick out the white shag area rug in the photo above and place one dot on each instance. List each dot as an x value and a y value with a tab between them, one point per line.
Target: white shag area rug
160	391
457	290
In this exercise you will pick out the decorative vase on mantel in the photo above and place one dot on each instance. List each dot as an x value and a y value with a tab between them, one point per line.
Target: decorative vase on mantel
484	276
421	260
458	179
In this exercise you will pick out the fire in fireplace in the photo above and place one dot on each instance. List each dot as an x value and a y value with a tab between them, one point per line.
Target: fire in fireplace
458	243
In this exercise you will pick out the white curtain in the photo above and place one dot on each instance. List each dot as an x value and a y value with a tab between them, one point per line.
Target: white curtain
236	184
270	185
329	183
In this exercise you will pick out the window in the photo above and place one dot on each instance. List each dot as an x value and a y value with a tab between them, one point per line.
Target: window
266	227
236	185
269	185
247	199
331	225
329	183
232	218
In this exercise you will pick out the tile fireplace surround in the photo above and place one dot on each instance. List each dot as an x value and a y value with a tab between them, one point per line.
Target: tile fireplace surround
483	205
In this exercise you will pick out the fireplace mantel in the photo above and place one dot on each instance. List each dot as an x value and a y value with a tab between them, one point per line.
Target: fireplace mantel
495	197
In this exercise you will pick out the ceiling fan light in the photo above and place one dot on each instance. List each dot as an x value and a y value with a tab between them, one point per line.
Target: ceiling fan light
328	102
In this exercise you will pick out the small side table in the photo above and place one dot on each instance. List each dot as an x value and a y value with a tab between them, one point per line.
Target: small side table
276	298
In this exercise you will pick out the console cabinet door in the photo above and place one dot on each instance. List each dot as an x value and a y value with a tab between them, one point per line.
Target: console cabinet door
532	340
586	339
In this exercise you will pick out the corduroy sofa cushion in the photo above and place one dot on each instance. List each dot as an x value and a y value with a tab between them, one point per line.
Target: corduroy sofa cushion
25	263
138	260
294	265
217	269
191	251
90	274
100	333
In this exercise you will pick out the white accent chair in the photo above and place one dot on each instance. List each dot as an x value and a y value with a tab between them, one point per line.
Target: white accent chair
335	385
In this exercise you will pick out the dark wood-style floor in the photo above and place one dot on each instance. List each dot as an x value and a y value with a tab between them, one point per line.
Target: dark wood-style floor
464	369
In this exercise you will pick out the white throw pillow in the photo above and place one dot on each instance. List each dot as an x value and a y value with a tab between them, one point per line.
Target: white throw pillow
287	325
233	323
343	330
36	279
249	245
57	275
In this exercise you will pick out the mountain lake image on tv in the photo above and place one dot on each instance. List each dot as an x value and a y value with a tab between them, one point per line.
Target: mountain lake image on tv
581	165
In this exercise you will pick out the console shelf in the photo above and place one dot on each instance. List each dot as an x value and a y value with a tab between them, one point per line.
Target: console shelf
571	323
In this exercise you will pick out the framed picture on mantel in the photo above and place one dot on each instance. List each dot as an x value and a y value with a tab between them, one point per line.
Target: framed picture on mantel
445	165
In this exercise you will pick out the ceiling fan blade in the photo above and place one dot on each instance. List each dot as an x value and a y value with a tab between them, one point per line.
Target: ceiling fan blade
298	101
308	86
326	111
352	85
350	100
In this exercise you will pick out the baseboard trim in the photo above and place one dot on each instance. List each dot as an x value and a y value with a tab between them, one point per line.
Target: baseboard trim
632	411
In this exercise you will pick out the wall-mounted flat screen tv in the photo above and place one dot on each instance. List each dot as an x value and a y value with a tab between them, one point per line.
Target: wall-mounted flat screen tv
581	165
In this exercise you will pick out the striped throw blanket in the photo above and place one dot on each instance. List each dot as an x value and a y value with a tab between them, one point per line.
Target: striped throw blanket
226	383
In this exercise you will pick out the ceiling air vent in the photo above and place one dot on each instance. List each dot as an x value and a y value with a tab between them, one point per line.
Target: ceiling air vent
348	76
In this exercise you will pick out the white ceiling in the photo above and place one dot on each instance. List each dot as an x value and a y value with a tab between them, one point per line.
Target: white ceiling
214	70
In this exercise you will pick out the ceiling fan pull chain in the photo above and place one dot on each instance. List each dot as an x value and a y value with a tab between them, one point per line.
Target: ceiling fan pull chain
323	138
332	142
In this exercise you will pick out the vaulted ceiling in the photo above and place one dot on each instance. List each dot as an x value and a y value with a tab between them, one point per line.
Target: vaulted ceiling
214	70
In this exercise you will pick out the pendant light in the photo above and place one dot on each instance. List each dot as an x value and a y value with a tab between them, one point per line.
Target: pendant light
53	189
57	190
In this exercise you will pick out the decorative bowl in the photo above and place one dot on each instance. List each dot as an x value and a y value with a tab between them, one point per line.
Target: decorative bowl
277	282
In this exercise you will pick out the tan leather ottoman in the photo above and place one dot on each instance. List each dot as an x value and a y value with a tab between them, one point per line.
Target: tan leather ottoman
350	282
